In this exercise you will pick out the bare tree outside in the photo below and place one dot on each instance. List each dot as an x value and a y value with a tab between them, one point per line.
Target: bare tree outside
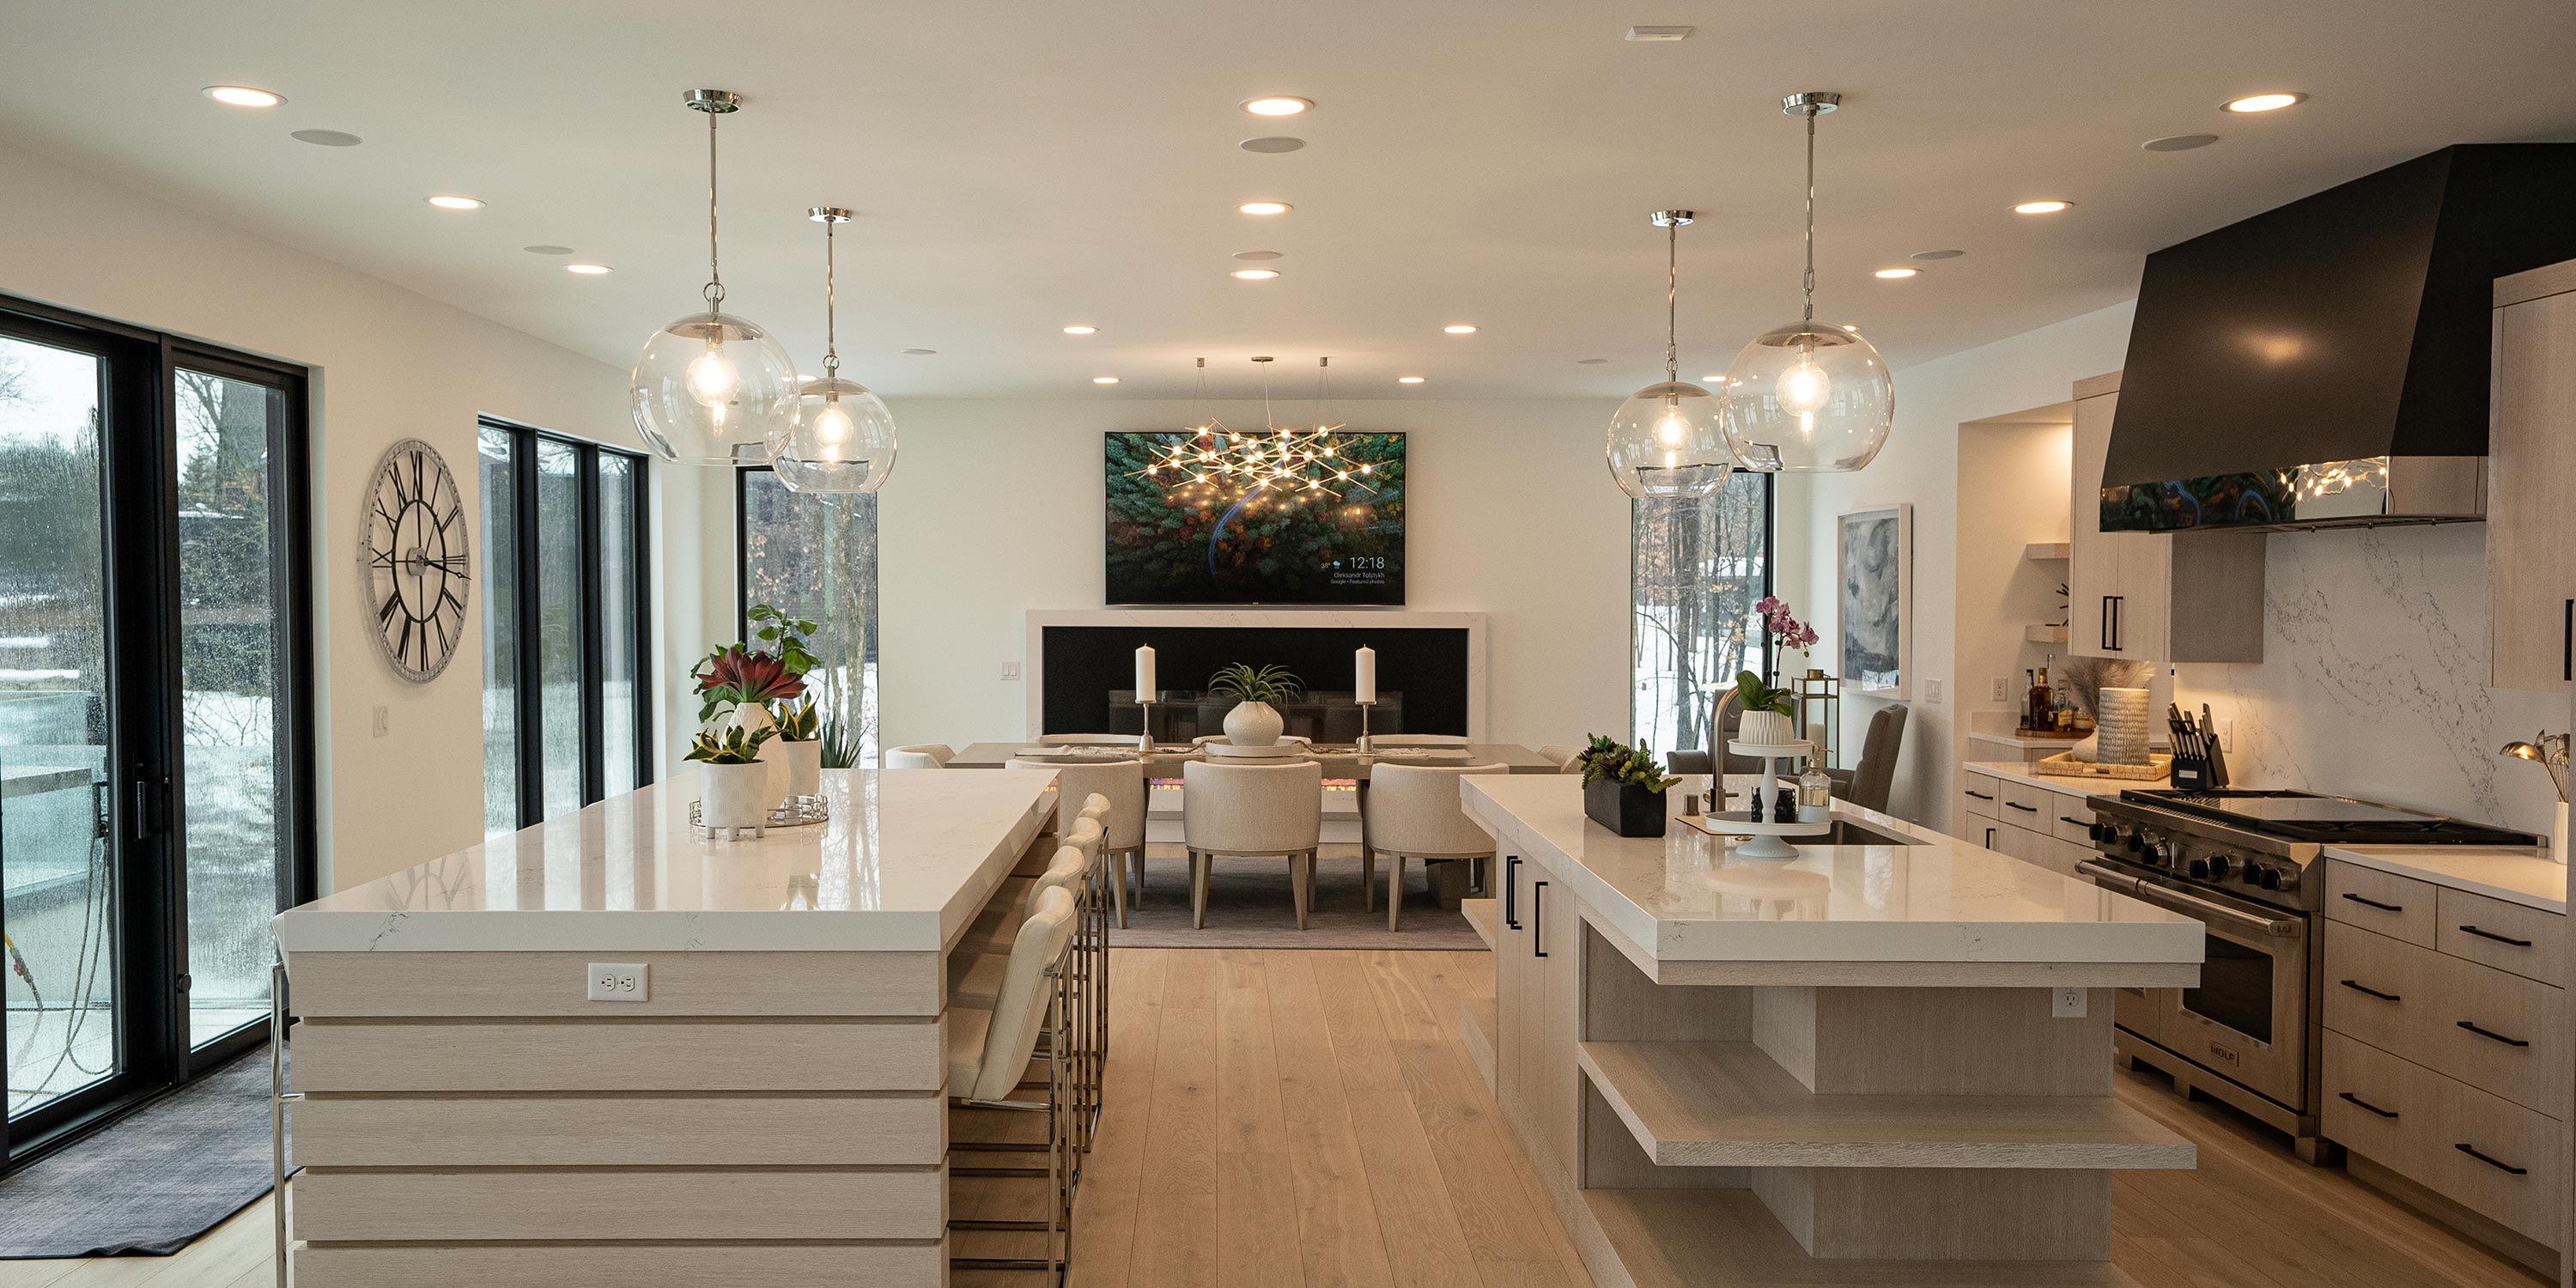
814	556
1696	566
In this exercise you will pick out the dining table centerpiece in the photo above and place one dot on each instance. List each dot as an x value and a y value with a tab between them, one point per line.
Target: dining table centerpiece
1253	721
1623	787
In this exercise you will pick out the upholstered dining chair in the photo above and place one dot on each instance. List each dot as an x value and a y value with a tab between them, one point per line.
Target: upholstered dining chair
1414	813
1868	784
1560	755
1723	718
1252	810
927	755
1123	782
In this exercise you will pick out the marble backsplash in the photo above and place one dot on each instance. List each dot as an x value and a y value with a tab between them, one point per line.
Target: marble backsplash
2372	682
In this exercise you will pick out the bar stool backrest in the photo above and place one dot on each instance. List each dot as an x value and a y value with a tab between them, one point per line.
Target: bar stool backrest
1028	988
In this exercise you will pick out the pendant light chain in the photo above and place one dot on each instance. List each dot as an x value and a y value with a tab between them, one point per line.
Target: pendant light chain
831	305
715	291
1672	292
1810	316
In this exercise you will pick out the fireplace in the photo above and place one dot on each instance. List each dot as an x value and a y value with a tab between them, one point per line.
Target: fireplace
1430	669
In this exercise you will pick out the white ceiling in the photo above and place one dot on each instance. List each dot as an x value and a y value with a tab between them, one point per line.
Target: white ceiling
1022	166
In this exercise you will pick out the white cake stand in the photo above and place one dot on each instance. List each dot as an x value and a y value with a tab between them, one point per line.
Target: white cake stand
1769	840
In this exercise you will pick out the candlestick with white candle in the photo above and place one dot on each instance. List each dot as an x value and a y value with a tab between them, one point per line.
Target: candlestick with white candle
1364	688
1145	695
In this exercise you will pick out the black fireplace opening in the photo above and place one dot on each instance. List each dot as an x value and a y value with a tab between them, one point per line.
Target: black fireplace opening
1090	677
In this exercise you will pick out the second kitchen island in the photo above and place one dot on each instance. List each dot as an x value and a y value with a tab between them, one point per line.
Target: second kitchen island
1887	1061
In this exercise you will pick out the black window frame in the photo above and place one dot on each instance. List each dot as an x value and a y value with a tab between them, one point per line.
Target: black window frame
1770	584
526	666
145	783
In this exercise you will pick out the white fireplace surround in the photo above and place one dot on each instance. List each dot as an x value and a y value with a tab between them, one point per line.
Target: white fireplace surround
1382	619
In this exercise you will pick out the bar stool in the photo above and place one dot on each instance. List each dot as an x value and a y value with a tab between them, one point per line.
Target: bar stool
989	1051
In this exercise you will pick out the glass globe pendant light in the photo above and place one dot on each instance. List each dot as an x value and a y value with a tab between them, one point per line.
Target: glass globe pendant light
710	388
842	437
1668	439
1805	397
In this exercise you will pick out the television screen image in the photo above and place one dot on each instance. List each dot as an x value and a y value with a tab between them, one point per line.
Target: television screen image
1261	517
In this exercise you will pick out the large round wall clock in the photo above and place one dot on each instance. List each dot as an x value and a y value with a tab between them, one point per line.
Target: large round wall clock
413	560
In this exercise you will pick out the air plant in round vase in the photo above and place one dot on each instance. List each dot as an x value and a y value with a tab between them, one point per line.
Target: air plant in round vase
1766	719
1253	722
1782	629
1623	787
735	784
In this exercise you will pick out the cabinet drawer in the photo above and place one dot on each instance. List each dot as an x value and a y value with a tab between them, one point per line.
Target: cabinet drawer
1982	797
2416	1122
2070	818
2508	936
2497	1032
2399	907
2026	806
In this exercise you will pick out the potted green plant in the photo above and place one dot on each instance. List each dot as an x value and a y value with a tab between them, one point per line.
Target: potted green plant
1623	787
1253	722
1765	712
735	791
799	749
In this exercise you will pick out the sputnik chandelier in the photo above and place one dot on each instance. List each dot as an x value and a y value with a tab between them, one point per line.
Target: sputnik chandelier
1275	466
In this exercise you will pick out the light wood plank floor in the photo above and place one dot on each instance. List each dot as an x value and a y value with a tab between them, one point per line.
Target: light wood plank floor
1283	1118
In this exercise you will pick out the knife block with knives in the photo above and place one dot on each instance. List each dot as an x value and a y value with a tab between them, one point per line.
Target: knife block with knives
2199	763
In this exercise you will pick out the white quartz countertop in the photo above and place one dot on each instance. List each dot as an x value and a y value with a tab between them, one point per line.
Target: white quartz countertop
2089	785
907	860
2531	879
1686	896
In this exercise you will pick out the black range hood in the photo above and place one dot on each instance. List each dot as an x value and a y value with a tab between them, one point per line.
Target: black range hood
2326	363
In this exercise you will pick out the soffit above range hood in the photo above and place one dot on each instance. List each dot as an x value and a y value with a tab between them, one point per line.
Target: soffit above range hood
2326	363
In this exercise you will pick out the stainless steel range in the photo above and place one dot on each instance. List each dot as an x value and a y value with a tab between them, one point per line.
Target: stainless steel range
2245	863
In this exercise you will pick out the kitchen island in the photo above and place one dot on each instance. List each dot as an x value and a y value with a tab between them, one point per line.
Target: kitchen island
756	1099
1887	1061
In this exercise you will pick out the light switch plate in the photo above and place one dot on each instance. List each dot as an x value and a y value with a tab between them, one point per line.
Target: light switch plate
1997	693
617	982
1932	691
2066	1003
1010	670
384	721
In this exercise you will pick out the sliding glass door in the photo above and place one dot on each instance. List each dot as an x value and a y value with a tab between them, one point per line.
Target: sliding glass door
155	808
567	699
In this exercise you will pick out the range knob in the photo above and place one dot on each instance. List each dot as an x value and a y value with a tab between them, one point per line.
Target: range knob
2200	868
2135	839
2219	866
2160	853
2100	832
2281	879
2264	875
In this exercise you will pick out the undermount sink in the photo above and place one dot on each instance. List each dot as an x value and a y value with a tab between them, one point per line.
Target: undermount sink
1847	832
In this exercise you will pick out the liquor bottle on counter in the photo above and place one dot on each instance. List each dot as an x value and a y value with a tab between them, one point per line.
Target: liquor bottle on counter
2041	714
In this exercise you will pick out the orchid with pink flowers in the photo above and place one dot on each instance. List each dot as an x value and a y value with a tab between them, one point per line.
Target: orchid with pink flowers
1781	626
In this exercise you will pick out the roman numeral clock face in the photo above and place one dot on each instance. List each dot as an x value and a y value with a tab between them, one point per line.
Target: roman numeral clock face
413	560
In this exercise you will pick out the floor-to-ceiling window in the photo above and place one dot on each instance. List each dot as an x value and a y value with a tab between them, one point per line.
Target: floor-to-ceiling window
155	799
815	557
567	702
1696	566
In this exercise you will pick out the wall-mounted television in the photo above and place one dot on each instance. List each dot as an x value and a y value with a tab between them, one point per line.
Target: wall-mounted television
1223	517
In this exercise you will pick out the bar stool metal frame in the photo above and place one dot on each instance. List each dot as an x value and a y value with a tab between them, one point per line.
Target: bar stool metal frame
1062	1109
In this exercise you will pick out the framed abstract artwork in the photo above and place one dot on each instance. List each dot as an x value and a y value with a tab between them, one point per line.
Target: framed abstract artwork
1874	551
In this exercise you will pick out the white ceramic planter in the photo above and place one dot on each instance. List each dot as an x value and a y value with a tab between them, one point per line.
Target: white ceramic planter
802	763
734	795
1254	724
1766	728
751	718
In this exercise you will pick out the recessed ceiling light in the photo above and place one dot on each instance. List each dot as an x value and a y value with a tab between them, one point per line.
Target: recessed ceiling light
453	201
2270	101
1257	256
1272	143
586	270
1277	105
1460	328
1936	254
1263	208
1896	274
1718	379
1081	330
2179	142
1658	35
547	250
2048	207
920	353
1256	274
327	138
1408	380
1589	362
244	96
1104	380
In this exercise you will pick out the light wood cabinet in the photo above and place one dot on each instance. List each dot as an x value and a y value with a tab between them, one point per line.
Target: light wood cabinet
1538	1005
2531	482
2162	597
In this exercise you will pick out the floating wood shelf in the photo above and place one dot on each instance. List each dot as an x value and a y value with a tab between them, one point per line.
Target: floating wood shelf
1480	914
1728	1104
2044	634
2048	550
1692	1238
1476	1026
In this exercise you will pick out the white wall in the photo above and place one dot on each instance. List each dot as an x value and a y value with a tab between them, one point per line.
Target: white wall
1920	466
387	364
2012	486
996	506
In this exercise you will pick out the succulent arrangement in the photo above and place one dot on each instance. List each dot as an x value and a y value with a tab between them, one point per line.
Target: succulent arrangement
731	746
1607	760
801	722
1247	683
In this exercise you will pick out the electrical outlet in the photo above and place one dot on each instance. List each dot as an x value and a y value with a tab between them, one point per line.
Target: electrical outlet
1010	670
617	982
1996	692
1932	691
384	721
2227	733
2066	1003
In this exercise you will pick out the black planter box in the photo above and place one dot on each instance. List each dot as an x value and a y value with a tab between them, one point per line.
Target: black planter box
1624	808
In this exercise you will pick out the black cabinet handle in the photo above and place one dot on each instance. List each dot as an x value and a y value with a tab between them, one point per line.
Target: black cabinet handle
2026	809
2374	903
1983	796
2501	939
2498	1164
2079	822
2471	1026
2107	645
1511	887
2359	987
2384	1113
2567	644
1990	838
1538	909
